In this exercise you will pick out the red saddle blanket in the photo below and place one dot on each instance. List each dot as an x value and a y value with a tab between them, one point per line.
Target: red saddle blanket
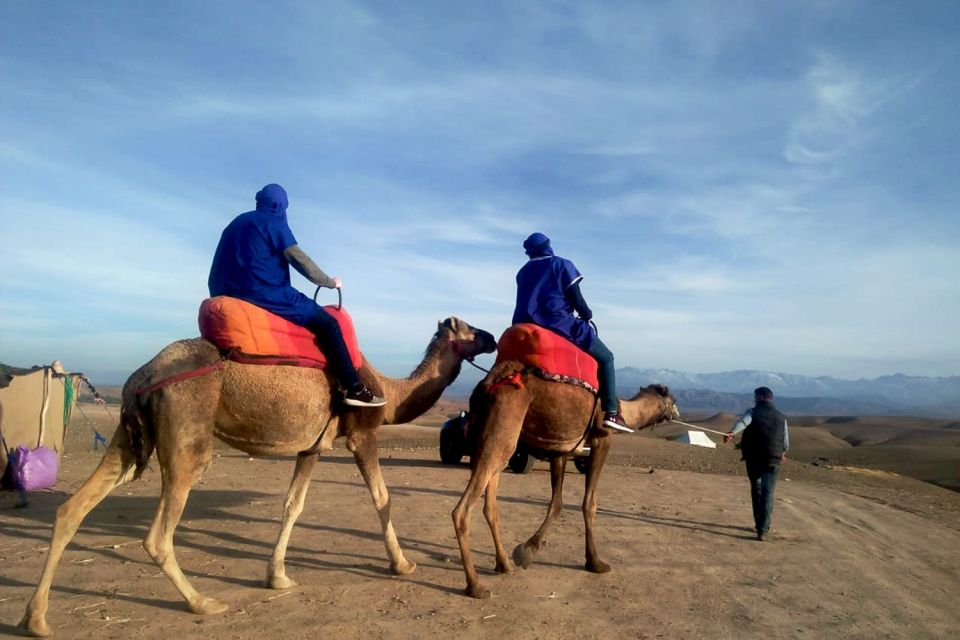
544	349
235	325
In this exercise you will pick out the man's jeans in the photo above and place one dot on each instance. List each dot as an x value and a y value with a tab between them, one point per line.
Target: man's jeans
606	374
763	482
327	330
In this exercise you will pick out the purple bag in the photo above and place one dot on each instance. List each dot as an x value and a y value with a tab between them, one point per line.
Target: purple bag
33	468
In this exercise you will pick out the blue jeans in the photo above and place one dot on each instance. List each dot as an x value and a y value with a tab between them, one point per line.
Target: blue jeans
327	331
763	482
606	373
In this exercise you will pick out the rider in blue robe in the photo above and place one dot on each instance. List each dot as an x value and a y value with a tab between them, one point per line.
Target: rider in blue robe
252	263
548	294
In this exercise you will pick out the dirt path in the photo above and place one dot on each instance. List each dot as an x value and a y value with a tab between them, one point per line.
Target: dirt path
849	560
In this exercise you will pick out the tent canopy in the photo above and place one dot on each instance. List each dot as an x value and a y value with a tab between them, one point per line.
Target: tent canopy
35	407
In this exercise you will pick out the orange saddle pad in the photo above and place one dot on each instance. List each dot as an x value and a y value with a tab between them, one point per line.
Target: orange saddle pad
544	349
233	324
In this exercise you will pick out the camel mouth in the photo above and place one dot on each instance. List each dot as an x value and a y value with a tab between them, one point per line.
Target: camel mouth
486	343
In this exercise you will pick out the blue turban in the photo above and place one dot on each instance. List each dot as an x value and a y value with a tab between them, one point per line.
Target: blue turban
272	199
537	245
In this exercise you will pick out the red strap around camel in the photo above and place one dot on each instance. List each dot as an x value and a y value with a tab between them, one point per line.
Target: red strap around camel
544	349
255	336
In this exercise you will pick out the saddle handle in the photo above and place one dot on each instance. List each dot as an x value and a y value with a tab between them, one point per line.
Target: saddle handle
339	296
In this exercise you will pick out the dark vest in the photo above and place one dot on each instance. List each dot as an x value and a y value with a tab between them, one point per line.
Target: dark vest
763	438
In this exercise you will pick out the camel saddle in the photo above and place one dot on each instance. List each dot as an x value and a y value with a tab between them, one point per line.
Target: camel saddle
252	335
550	352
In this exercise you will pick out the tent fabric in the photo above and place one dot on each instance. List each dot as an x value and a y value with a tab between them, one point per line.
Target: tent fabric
23	394
233	324
546	350
8	373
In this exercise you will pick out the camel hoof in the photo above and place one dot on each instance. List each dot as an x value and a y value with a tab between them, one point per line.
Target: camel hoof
36	626
478	592
503	567
209	607
280	582
523	556
597	567
403	568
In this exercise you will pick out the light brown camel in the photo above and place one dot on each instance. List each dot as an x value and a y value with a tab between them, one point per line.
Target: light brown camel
513	404
407	399
260	410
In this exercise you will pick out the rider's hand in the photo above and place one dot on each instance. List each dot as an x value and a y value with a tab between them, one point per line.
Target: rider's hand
337	283
727	437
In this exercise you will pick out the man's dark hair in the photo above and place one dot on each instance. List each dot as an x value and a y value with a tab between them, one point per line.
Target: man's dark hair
763	394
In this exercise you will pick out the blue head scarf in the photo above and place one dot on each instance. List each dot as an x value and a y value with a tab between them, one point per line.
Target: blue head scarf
537	245
272	199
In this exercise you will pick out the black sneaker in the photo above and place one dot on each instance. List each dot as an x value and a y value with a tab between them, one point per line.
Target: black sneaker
361	396
614	420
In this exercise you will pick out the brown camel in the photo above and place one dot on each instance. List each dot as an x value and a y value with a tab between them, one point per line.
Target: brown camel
407	399
260	410
513	404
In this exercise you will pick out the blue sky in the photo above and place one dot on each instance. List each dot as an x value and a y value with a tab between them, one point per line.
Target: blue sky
743	184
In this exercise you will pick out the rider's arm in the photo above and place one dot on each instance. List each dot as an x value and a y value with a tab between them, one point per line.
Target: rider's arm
575	298
307	267
743	422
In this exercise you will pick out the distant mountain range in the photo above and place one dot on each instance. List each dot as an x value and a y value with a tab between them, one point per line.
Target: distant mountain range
896	394
732	391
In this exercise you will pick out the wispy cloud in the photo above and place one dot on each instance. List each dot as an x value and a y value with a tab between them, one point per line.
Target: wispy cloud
690	157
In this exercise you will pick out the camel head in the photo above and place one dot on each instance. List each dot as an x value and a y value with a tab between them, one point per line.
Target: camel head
666	408
467	341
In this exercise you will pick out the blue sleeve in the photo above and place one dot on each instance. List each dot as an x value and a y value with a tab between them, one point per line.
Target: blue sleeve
569	274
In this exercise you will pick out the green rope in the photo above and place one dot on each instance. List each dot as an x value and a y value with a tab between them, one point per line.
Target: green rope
68	397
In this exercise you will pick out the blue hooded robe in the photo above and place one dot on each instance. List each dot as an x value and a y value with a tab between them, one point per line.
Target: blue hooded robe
542	285
249	263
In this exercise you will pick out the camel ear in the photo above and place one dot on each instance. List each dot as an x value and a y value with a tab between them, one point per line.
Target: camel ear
451	323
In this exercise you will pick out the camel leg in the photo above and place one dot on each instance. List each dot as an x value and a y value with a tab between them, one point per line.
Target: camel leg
524	553
363	444
114	469
491	511
181	463
498	438
292	507
598	455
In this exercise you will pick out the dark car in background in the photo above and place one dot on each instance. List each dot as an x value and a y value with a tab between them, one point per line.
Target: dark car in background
455	445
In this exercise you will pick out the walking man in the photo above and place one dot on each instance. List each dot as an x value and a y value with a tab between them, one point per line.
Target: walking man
766	439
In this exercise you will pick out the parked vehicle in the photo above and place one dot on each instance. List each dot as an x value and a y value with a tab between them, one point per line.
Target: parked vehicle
455	445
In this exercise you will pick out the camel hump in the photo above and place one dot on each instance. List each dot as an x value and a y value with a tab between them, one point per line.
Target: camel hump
550	352
235	325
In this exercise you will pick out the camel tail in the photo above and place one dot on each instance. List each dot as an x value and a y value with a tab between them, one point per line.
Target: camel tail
140	436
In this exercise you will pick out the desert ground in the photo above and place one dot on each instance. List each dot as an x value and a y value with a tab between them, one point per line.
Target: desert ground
858	550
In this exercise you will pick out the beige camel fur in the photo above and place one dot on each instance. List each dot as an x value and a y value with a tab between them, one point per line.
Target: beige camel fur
407	399
552	418
261	410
